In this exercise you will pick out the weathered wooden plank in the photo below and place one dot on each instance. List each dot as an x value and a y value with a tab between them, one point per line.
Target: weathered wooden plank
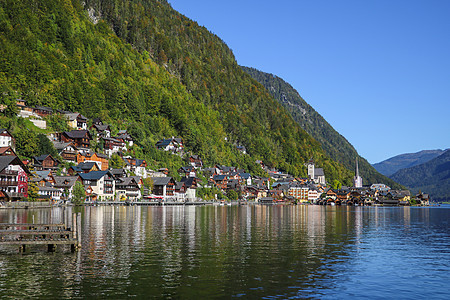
39	242
33	232
30	224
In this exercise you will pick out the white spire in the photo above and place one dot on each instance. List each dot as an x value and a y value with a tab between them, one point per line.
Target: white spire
357	180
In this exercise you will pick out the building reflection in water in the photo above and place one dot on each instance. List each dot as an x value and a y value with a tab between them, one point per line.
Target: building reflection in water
171	248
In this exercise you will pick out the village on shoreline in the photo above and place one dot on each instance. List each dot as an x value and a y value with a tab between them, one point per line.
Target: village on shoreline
80	175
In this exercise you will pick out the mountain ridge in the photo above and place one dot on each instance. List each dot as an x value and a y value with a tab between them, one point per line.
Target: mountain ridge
334	144
432	177
392	165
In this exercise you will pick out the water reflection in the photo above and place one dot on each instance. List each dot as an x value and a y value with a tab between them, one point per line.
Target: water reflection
248	251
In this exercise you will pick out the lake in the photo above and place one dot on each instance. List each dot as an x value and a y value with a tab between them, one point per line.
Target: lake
254	251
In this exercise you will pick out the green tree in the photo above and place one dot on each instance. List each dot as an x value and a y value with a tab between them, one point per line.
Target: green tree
45	146
57	122
78	193
26	143
33	190
116	162
232	195
336	184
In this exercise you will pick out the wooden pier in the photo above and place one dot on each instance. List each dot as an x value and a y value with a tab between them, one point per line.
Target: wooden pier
24	234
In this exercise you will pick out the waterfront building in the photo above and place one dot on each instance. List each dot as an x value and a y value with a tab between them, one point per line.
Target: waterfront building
99	185
163	186
127	188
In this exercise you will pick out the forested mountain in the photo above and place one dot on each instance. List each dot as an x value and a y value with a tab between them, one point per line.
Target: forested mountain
334	144
432	177
390	166
140	64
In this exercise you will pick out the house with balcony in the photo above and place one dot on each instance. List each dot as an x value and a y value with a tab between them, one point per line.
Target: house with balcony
196	161
113	145
43	111
99	185
125	138
48	193
84	167
102	160
163	186
188	171
127	189
136	166
102	130
45	162
67	151
80	138
66	184
173	145
76	121
13	178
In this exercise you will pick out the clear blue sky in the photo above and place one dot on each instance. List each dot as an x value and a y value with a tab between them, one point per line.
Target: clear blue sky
378	71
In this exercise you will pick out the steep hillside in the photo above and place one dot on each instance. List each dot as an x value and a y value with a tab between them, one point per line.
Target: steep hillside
390	166
432	177
163	76
334	144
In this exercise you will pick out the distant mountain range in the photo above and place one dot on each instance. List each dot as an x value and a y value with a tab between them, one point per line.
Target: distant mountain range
390	166
432	177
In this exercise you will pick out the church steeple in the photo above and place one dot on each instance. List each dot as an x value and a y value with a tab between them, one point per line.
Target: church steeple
357	180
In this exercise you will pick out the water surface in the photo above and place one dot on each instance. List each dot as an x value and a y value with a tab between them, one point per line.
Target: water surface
237	251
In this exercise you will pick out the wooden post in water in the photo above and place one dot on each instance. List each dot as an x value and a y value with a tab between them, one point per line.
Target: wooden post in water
78	230
51	247
74	225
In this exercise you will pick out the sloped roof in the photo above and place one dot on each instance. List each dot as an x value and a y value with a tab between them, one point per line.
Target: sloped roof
161	180
127	181
94	175
245	175
41	158
4	149
219	177
186	169
318	172
101	127
189	181
7	160
77	134
163	143
87	165
118	172
61	145
124	136
179	185
43	174
73	116
65	181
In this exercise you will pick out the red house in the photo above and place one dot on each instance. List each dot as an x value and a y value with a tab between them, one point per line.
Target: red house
13	178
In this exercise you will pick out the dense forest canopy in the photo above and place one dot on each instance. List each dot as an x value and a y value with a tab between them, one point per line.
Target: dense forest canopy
140	64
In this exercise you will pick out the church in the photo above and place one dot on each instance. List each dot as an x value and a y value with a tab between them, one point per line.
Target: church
315	174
